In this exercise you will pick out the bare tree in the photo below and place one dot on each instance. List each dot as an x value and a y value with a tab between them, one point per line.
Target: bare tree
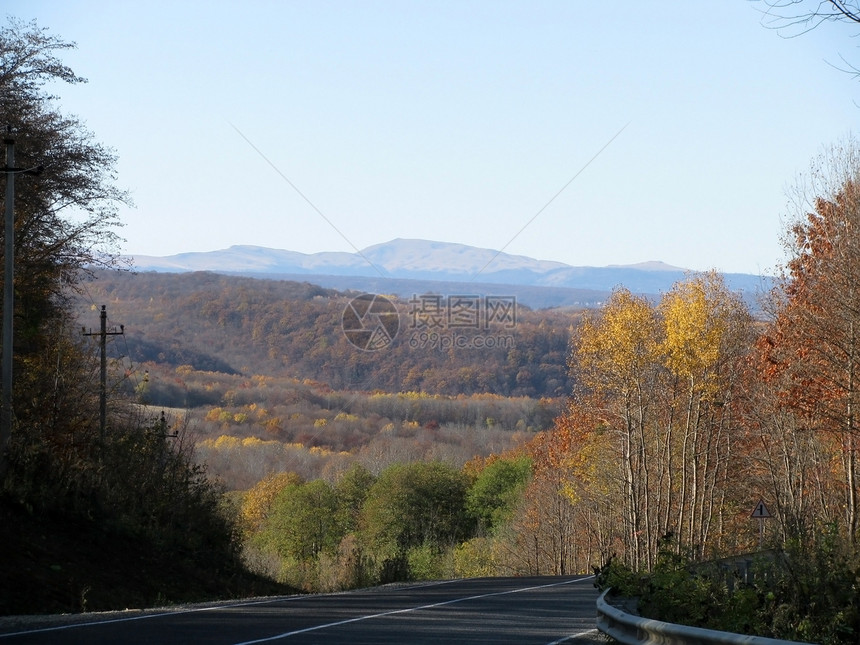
792	18
795	17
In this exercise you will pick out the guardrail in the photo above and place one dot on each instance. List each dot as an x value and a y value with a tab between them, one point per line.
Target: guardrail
636	630
743	569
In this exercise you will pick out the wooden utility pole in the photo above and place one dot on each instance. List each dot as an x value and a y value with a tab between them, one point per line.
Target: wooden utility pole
6	413
103	333
8	296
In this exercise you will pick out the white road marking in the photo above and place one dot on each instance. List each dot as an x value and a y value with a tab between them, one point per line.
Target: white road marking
347	621
265	601
573	637
128	619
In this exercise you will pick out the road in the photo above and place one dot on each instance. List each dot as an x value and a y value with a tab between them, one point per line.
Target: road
521	611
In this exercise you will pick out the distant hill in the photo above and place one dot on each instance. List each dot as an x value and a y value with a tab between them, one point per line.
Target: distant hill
251	326
442	267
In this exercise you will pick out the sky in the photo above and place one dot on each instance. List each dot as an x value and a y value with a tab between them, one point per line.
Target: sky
581	132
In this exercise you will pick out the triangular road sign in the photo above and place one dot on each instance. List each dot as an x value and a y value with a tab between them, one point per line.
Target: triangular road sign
760	510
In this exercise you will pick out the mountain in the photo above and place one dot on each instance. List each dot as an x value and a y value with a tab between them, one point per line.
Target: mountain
442	263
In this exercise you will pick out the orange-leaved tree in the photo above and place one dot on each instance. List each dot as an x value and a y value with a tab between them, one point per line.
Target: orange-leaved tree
811	350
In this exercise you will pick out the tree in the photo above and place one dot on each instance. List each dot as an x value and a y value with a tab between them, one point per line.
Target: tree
811	350
257	502
786	463
64	218
616	362
656	397
797	17
351	491
67	216
804	15
302	523
543	535
411	506
707	335
493	498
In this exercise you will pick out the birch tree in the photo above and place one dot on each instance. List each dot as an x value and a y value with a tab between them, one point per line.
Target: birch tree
615	359
707	331
658	382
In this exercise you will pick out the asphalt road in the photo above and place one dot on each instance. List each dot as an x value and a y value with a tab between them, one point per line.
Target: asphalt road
521	611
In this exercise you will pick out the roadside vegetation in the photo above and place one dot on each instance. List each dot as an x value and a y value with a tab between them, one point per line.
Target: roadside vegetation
801	592
732	412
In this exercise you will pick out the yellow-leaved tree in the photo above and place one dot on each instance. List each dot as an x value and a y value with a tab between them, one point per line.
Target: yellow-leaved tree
257	502
655	389
616	364
707	333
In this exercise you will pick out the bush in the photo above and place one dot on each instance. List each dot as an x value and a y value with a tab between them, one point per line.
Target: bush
807	592
476	558
426	563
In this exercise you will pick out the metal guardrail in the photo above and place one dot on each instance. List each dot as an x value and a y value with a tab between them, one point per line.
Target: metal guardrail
743	569
636	630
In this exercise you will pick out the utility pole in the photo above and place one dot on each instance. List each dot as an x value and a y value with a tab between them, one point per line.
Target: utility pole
8	296
103	333
6	413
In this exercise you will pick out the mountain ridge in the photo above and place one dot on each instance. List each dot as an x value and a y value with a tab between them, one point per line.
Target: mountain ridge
426	260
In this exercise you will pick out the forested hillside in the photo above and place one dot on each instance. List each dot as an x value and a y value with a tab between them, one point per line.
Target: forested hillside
278	328
264	374
399	446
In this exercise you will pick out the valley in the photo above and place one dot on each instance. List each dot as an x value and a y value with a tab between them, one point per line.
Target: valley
263	377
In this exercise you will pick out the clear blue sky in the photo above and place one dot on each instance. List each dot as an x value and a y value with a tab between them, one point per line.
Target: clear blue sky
457	121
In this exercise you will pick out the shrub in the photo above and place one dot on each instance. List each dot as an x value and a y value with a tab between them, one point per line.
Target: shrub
807	592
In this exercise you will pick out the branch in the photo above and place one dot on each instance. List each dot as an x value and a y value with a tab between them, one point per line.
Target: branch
789	15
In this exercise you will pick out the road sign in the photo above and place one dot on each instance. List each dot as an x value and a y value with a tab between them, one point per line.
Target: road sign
760	510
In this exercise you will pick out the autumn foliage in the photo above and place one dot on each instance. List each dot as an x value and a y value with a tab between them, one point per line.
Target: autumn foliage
297	455
809	355
647	444
686	412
